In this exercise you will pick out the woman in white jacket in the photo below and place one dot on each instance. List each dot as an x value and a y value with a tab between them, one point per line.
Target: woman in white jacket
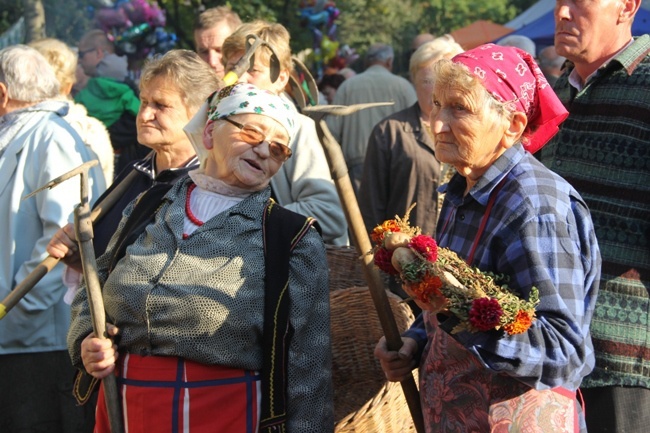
92	131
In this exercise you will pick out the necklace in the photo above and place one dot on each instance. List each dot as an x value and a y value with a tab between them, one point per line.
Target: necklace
188	211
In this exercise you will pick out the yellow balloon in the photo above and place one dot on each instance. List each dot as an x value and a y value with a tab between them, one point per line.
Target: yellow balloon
329	48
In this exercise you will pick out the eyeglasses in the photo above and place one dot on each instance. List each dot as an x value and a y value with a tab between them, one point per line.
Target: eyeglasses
81	54
253	136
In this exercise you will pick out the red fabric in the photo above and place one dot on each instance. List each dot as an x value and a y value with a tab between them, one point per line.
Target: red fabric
458	393
512	75
572	396
168	394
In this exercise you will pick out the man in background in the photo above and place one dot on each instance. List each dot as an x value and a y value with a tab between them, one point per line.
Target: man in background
519	41
602	150
328	85
550	62
211	28
376	84
420	40
36	145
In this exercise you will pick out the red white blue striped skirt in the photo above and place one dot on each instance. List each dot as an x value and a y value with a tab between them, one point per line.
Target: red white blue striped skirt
168	394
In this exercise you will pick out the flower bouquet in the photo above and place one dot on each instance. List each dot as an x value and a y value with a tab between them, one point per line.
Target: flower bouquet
438	279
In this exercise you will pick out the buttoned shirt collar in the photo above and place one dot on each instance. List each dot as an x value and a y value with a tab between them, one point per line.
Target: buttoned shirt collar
576	81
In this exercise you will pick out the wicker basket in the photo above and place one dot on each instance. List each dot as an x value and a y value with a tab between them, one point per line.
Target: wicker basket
364	401
345	266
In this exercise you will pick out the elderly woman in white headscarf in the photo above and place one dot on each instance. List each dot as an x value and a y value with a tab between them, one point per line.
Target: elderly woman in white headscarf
195	298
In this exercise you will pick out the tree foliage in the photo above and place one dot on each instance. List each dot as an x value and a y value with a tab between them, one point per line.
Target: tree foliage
360	23
10	12
66	21
181	14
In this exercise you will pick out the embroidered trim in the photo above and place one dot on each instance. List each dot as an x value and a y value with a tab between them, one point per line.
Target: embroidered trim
77	391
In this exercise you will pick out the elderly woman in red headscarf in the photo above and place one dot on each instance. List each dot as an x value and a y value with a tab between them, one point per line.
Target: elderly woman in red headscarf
505	213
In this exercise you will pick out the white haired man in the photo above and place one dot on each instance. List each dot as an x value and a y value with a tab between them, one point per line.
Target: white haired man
36	145
520	41
550	62
376	84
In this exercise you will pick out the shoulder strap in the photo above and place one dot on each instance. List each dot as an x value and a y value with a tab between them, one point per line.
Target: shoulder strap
282	229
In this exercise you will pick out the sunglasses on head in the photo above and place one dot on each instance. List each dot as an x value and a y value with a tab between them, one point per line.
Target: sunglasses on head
253	136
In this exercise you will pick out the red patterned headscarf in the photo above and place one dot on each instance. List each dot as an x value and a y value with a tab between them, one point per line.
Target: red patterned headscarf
512	75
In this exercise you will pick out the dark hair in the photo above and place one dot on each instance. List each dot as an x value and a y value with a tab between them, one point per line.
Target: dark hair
331	80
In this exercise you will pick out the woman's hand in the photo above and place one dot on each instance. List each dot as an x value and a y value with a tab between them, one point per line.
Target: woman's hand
63	245
397	365
99	355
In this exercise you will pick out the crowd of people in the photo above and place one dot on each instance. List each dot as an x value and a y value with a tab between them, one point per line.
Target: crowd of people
214	204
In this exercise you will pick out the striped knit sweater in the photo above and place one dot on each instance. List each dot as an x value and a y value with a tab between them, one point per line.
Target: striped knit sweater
603	150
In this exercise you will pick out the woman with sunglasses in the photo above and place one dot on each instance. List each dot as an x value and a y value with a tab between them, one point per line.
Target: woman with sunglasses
187	298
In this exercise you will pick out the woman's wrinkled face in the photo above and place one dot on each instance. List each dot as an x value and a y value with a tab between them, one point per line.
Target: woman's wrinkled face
238	163
162	115
467	133
423	82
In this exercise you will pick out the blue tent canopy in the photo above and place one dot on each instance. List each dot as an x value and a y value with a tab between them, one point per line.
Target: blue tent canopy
542	30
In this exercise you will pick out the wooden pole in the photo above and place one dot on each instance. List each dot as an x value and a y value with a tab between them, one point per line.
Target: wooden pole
84	231
361	240
50	262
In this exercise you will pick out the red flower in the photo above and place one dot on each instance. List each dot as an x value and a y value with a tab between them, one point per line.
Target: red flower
426	246
521	324
485	313
382	261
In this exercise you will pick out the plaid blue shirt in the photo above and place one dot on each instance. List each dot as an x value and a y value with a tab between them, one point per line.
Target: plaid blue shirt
539	233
